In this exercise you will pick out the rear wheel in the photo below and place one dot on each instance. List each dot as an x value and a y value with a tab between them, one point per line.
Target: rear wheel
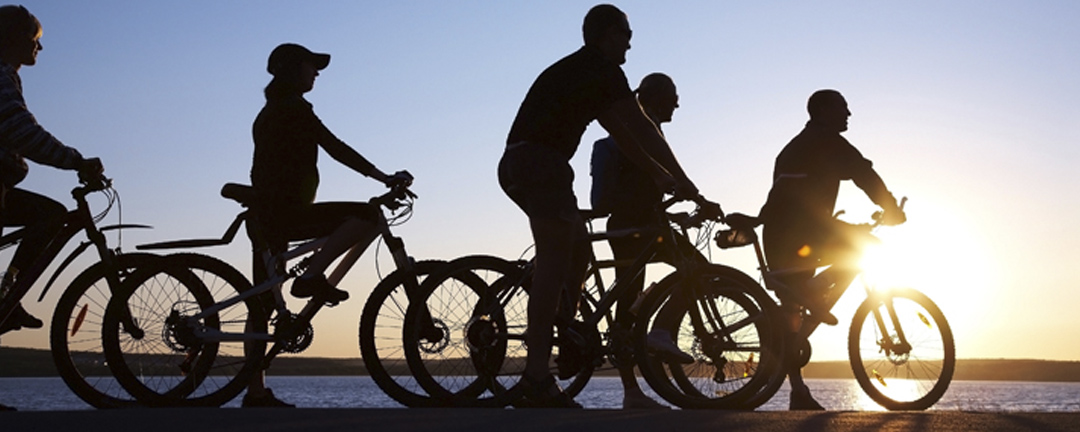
902	373
727	327
170	363
480	305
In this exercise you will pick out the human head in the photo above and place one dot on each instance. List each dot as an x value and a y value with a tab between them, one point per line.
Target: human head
20	32
295	67
607	28
658	96
828	109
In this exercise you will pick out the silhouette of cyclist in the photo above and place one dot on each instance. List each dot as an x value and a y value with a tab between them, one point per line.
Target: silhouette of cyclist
800	229
632	202
535	173
21	138
285	177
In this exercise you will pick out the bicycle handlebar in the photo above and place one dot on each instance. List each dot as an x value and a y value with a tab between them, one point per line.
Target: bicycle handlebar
89	185
394	198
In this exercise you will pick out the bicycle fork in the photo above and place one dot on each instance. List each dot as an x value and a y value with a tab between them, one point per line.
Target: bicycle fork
891	347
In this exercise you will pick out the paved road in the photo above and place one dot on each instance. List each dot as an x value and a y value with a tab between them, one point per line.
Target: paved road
476	420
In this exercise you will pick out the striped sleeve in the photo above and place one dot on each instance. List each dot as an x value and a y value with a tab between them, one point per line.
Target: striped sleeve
20	132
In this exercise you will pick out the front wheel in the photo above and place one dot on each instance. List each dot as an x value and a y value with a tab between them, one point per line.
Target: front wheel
901	350
382	339
75	333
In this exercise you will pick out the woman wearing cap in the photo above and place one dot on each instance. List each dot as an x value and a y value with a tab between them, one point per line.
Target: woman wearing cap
285	177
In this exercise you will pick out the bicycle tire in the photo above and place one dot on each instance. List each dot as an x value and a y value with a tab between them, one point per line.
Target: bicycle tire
912	381
381	336
75	334
485	356
162	369
726	374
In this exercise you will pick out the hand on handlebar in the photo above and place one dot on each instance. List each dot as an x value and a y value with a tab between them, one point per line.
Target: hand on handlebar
400	178
709	209
91	171
895	216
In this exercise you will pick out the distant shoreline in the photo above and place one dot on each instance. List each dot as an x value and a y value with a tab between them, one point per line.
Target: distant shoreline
26	362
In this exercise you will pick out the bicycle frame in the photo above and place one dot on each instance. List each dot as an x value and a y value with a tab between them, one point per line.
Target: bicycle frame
277	278
601	307
809	324
76	220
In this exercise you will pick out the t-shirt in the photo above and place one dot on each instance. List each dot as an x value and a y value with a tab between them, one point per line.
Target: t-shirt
284	168
566	97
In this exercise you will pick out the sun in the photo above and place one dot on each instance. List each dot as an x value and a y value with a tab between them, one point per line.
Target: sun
938	252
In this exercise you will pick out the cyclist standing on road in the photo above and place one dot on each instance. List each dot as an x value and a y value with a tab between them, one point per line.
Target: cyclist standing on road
285	176
632	198
21	137
535	173
800	230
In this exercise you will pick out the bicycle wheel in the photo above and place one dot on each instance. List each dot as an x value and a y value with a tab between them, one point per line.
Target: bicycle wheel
727	326
382	339
482	345
898	376
168	365
75	334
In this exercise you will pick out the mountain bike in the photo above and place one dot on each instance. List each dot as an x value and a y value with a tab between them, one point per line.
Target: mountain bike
482	302
205	351
900	345
75	329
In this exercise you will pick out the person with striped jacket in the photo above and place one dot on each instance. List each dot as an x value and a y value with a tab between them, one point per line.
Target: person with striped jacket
22	138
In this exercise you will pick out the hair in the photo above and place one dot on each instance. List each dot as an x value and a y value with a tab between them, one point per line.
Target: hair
653	85
819	100
16	21
599	20
282	85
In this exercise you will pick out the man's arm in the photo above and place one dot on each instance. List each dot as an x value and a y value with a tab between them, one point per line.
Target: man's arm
871	183
641	142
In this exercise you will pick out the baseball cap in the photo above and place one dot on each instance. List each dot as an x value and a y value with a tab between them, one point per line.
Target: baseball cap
288	54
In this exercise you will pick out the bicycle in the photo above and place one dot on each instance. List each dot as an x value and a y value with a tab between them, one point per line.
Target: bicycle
900	345
484	365
194	327
74	333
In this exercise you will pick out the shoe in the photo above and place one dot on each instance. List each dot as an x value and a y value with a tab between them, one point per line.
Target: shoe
318	286
660	342
24	319
265	400
20	319
545	394
803	401
642	402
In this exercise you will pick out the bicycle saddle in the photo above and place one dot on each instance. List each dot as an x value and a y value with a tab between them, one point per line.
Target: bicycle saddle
243	194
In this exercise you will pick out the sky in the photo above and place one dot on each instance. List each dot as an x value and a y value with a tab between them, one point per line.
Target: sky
968	108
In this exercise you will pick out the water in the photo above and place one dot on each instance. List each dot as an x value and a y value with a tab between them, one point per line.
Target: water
50	394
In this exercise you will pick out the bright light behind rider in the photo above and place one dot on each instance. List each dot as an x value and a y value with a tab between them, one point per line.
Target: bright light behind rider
882	264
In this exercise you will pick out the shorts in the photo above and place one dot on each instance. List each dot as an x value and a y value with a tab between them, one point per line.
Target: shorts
284	223
539	180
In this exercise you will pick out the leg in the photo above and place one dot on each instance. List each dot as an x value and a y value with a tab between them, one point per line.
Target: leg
555	243
628	248
43	218
347	225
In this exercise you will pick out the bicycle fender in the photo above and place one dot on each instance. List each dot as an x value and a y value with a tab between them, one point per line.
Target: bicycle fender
78	251
123	226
